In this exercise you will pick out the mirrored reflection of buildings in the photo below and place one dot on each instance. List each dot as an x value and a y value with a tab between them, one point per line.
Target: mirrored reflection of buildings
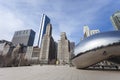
115	18
96	48
87	32
102	41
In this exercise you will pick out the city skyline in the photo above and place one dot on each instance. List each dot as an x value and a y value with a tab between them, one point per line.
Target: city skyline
69	17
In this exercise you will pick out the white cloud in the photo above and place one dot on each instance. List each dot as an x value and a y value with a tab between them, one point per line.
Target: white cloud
66	16
9	23
72	18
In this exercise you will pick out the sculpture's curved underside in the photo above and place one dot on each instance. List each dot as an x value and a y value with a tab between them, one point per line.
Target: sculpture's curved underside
97	48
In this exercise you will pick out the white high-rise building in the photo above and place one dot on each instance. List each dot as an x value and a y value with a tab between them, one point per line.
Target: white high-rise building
86	31
115	18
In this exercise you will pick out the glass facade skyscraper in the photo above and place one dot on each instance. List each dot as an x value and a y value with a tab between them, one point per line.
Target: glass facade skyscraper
44	21
25	37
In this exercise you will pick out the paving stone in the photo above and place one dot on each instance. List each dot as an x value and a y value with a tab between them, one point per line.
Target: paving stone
48	72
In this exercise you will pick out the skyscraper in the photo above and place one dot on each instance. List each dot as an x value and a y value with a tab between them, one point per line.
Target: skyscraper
25	37
44	21
63	55
115	18
87	32
48	47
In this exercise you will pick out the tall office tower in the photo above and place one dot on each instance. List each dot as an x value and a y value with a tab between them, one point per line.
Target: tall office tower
25	37
44	21
115	18
48	47
63	55
87	32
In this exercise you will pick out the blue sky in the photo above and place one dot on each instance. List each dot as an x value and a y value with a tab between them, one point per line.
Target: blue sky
66	16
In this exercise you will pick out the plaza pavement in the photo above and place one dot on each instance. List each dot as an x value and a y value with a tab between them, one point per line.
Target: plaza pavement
51	72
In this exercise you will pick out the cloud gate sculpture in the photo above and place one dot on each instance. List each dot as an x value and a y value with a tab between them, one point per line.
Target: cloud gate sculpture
96	48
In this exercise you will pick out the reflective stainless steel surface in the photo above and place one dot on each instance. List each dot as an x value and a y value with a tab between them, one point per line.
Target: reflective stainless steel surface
97	40
91	50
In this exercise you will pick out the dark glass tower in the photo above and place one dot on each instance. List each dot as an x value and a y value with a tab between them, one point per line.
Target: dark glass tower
45	20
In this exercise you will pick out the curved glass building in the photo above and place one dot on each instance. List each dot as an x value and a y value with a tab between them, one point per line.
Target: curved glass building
91	50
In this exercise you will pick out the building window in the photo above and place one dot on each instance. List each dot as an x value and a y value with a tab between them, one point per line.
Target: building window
19	32
26	31
16	33
23	32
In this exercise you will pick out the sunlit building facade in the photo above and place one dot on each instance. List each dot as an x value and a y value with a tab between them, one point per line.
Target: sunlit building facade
115	18
87	32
